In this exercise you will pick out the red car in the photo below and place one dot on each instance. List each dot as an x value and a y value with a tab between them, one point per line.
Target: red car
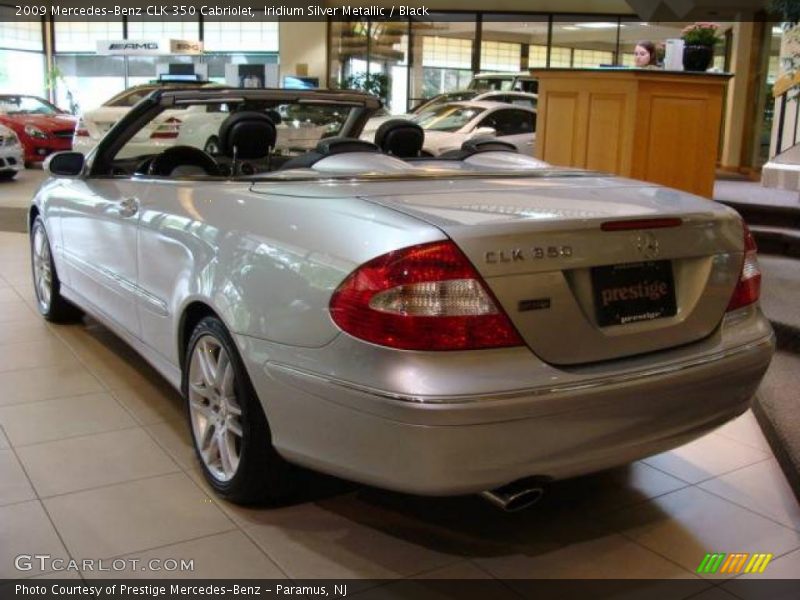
42	128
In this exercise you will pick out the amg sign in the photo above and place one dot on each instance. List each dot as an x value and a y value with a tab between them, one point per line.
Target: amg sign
149	47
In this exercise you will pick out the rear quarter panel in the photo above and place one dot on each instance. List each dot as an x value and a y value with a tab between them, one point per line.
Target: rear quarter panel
265	263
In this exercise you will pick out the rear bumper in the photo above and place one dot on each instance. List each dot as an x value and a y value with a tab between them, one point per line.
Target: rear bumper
472	443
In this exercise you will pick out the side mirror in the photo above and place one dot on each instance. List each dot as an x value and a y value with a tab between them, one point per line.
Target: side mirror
484	132
65	164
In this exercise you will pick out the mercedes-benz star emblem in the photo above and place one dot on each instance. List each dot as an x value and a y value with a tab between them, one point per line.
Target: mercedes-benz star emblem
647	245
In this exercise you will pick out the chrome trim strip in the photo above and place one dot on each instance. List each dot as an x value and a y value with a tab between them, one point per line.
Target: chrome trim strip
95	272
538	391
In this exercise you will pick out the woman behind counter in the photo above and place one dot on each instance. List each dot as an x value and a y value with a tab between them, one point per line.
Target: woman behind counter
644	55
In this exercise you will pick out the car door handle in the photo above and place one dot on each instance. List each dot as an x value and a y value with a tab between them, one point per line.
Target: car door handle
128	207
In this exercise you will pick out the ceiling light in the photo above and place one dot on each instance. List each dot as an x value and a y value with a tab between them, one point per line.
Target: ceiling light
597	25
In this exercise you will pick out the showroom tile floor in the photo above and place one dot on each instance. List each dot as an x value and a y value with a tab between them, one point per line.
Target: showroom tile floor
95	462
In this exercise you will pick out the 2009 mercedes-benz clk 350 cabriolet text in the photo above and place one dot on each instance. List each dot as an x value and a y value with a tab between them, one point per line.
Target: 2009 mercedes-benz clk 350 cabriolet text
466	323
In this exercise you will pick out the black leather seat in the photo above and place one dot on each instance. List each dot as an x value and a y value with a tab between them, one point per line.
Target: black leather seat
401	138
180	161
477	146
329	147
245	136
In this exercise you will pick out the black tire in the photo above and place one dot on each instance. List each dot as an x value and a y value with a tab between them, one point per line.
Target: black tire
7	175
51	304
261	475
212	146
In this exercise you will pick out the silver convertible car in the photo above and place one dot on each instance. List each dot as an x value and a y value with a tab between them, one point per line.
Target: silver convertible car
478	322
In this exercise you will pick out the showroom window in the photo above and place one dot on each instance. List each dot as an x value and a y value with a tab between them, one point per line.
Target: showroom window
84	81
446	51
523	42
179	30
82	36
591	43
240	36
500	56
591	58
537	56
82	78
371	56
22	65
21	35
560	57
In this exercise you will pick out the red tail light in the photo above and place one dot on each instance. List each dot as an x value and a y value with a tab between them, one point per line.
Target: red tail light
749	287
426	297
168	130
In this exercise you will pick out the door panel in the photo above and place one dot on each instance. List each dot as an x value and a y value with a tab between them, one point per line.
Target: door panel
99	220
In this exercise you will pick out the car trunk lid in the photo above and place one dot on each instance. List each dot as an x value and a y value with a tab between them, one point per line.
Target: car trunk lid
579	286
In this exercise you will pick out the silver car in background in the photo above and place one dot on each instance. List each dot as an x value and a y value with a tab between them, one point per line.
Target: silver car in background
434	326
11	159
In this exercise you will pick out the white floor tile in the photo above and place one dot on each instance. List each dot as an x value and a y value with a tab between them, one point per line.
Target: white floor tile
134	516
762	488
26	530
15	486
35	422
684	525
101	459
707	457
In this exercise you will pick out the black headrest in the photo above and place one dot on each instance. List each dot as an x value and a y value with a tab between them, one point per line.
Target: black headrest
274	115
339	145
251	133
400	137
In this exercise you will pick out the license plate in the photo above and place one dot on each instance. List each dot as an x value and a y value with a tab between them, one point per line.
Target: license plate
633	292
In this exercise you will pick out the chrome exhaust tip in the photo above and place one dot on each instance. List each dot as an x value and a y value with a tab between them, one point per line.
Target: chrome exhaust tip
515	496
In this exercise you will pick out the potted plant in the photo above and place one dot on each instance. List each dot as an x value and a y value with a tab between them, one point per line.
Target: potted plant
699	40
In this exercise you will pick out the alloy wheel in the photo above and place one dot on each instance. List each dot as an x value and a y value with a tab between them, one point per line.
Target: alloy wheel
215	412
42	271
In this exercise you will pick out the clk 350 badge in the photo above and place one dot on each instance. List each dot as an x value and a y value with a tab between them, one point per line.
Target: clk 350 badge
520	254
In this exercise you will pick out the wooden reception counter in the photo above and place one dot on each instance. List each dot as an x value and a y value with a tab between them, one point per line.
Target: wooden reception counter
658	126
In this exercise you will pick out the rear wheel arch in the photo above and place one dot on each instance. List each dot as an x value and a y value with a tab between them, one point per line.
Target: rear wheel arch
192	314
32	214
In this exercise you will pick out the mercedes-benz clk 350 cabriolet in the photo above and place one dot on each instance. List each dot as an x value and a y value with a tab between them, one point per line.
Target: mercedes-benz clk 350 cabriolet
473	322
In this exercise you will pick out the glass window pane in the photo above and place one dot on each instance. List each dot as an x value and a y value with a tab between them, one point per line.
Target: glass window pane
388	67
348	55
443	56
19	35
240	36
501	56
22	72
583	43
537	56
88	80
180	30
82	36
525	37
